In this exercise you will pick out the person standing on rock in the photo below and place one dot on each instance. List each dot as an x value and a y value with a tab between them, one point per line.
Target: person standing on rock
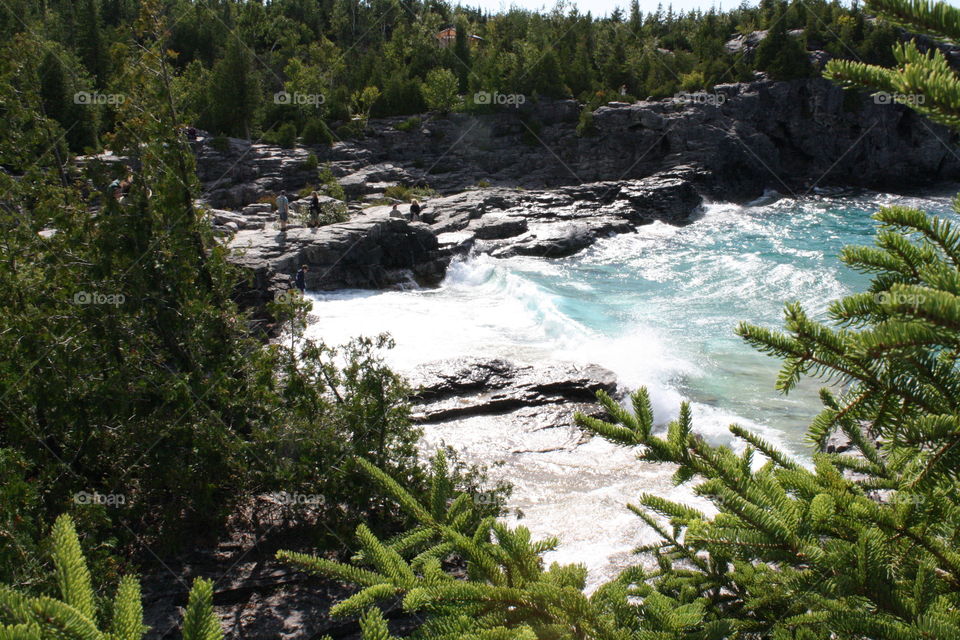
415	211
314	210
301	279
283	209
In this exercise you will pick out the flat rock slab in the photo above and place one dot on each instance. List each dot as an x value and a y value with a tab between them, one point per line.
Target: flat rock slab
549	394
560	222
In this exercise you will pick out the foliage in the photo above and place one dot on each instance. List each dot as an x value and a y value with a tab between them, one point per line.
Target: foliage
585	126
408	194
925	81
781	55
316	131
440	90
231	63
410	124
285	136
311	163
330	185
74	615
134	396
857	545
361	103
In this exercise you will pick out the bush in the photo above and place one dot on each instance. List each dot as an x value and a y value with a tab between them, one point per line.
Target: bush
409	124
316	131
220	143
311	163
329	184
407	194
350	130
440	90
285	136
585	126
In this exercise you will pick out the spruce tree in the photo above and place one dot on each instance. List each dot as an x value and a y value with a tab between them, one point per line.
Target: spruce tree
75	616
858	545
235	93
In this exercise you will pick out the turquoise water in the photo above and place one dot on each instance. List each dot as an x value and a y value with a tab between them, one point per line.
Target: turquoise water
657	307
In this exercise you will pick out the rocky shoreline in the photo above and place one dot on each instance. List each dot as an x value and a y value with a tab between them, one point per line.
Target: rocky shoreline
258	598
517	182
523	182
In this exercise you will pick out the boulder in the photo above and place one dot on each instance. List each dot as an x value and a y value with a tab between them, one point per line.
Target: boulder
498	228
370	251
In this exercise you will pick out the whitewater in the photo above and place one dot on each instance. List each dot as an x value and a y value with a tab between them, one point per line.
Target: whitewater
658	308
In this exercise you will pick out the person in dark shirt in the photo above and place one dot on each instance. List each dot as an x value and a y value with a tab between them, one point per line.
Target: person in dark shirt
301	279
415	211
314	210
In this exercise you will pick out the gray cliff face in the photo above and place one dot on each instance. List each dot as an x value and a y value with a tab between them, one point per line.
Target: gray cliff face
741	140
547	191
372	252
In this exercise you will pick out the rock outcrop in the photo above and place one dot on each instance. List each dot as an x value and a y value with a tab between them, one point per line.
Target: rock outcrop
258	598
371	251
556	223
741	139
374	251
521	397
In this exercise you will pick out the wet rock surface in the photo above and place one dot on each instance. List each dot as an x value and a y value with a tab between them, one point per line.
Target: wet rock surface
375	251
539	397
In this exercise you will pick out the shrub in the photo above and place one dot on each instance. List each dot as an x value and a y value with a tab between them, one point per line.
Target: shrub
398	192
285	136
585	126
311	163
329	184
440	90
409	124
401	192
316	131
